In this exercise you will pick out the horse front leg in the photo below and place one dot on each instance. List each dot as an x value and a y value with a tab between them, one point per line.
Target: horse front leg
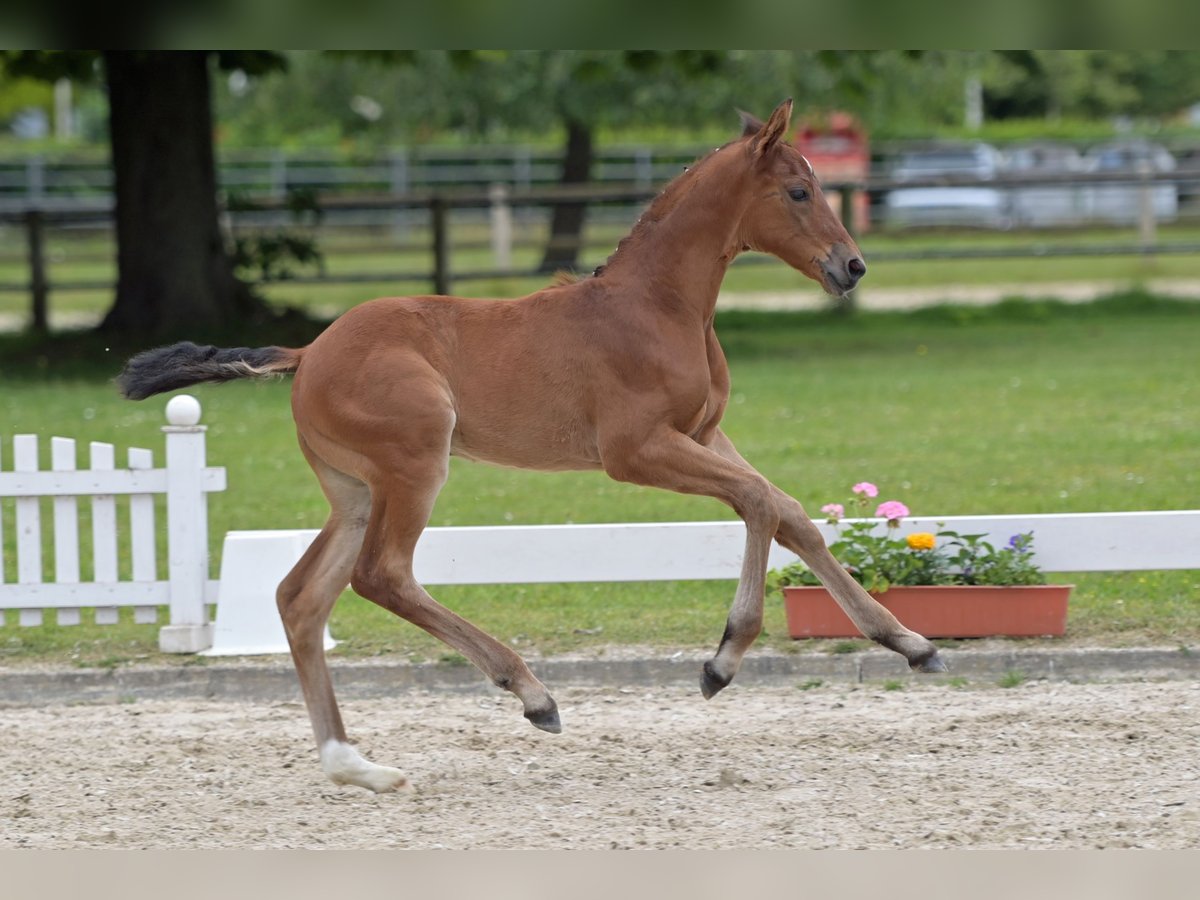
671	460
798	533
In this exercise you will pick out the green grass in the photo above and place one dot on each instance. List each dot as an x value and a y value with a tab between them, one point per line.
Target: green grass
1012	679
1023	407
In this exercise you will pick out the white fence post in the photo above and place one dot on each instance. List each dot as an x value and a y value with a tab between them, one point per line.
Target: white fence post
189	630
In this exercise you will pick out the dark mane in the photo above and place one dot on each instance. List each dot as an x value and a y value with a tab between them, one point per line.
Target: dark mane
660	207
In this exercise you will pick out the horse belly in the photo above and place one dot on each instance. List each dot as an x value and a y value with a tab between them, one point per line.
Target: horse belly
552	444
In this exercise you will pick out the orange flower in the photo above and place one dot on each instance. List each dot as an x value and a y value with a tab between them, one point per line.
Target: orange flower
921	540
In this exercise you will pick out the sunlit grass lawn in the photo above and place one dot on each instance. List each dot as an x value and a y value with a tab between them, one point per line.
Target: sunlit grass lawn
1019	409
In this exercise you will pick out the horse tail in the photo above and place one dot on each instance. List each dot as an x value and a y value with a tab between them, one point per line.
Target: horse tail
185	363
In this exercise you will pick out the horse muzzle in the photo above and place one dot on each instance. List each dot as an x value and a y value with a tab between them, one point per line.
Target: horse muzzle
843	269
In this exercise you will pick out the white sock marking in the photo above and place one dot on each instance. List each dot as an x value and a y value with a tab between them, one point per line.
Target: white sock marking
343	765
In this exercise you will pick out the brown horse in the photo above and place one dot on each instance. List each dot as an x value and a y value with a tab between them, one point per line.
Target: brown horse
621	371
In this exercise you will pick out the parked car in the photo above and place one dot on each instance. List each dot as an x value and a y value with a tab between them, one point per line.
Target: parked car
1121	203
981	206
1046	204
1188	161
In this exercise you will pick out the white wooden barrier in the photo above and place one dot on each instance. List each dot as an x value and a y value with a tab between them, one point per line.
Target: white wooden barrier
254	562
185	481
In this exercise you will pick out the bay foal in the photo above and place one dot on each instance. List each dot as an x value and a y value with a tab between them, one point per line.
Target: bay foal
621	371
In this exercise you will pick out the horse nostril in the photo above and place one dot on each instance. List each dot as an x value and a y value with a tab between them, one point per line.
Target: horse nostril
857	268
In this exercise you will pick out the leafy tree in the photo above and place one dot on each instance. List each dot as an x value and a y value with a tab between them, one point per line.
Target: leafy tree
579	92
575	93
1090	83
582	91
174	272
19	94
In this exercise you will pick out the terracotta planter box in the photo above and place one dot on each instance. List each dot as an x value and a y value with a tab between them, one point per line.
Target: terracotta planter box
947	611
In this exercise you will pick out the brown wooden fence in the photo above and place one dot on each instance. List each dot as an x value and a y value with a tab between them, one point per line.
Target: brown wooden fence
439	206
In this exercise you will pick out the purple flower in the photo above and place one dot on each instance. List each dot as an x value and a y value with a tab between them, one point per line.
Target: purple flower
866	489
1020	543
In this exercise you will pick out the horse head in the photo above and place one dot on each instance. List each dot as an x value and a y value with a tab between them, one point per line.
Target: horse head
788	216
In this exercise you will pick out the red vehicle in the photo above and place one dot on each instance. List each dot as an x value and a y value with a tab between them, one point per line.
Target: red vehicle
839	152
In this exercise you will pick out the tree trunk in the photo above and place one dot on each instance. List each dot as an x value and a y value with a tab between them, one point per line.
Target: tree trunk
566	224
174	274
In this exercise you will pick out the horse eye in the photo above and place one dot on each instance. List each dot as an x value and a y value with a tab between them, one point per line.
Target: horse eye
798	194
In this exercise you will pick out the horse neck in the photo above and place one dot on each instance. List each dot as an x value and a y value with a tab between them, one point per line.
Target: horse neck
678	257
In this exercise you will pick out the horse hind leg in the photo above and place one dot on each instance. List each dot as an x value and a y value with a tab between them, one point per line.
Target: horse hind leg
305	599
384	575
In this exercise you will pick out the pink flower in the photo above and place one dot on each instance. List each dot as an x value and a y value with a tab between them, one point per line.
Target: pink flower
892	510
834	510
866	488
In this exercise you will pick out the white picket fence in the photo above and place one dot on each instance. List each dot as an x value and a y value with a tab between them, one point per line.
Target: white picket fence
185	482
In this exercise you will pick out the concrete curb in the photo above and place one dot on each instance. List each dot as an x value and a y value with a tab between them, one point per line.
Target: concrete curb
275	682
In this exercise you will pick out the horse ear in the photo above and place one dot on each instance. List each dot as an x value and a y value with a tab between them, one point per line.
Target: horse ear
751	124
774	130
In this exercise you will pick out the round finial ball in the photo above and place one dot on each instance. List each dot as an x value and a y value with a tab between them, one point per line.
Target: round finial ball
183	410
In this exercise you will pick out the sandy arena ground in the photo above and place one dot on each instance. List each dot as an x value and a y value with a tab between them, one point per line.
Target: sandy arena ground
840	766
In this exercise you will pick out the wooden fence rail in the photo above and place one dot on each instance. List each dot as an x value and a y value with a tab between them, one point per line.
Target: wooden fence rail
500	200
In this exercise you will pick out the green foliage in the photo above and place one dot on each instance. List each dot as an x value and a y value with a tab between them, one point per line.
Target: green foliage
465	95
1012	679
22	93
270	255
1091	84
527	94
844	648
49	65
977	562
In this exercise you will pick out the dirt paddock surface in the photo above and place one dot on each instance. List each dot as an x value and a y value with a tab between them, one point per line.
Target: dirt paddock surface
1042	764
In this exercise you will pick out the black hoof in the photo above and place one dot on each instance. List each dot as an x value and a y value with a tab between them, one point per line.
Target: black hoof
546	718
711	683
928	664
